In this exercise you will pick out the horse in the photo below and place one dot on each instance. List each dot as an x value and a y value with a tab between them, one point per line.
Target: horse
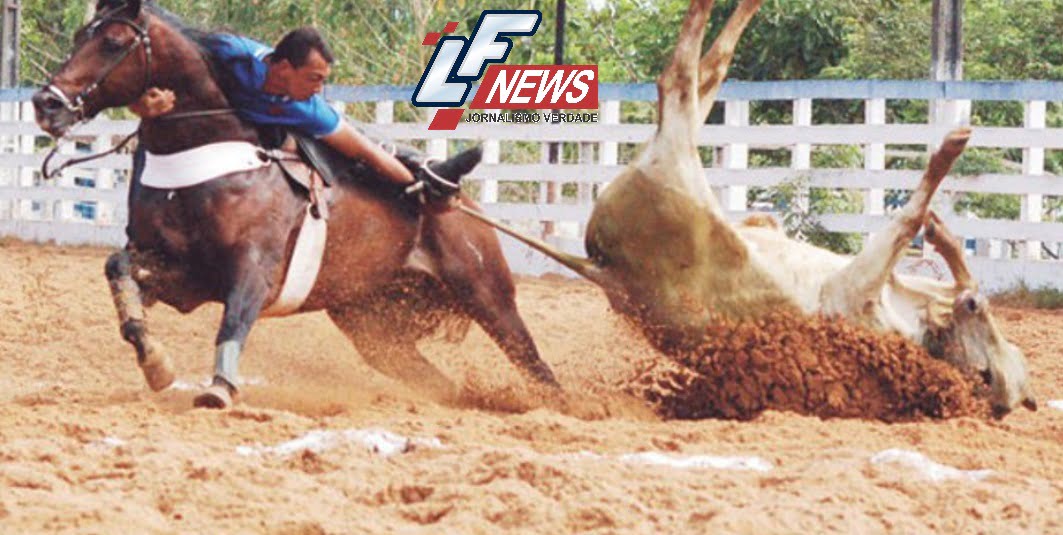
391	273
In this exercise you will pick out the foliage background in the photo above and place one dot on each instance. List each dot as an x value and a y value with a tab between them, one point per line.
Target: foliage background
378	42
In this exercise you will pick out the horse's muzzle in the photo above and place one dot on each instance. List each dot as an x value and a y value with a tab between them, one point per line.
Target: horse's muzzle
52	113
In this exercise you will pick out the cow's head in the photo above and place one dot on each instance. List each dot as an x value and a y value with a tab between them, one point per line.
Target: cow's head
979	345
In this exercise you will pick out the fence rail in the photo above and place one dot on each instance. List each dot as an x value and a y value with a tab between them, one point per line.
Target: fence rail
87	205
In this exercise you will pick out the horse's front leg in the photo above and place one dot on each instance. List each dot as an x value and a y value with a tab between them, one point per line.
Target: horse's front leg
153	361
248	293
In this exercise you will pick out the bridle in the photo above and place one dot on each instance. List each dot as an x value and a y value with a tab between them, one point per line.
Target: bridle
76	105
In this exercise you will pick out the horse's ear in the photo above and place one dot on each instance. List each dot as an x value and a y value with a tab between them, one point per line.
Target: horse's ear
130	7
461	164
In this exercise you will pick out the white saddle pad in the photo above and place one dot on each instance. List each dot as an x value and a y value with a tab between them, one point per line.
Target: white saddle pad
201	164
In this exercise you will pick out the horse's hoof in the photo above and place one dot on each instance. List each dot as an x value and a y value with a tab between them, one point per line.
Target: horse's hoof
157	368
216	396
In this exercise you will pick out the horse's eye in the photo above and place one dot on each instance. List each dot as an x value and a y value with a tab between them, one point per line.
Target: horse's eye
111	44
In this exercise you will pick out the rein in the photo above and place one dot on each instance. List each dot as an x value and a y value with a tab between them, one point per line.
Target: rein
50	174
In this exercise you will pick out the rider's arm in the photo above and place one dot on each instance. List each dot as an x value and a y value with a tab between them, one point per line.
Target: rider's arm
354	144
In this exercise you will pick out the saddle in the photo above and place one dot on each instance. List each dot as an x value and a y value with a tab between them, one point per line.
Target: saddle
316	166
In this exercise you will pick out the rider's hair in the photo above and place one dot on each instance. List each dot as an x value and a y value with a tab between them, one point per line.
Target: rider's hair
297	44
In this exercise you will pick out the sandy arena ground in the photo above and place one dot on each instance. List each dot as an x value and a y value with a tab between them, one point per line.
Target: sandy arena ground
85	447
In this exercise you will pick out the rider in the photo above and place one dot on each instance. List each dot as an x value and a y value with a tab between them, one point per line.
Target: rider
282	86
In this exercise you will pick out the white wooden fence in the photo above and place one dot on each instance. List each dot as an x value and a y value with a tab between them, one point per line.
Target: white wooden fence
87	206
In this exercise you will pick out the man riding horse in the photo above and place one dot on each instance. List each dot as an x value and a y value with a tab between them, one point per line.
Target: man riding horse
281	87
211	220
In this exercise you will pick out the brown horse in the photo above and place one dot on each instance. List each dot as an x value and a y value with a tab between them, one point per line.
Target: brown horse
391	273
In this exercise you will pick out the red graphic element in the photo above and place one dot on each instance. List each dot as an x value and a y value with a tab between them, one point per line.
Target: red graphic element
432	38
446	119
538	87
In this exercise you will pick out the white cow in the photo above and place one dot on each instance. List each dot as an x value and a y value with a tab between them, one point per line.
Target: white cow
662	249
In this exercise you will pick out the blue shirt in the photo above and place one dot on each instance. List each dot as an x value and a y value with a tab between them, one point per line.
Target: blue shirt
246	60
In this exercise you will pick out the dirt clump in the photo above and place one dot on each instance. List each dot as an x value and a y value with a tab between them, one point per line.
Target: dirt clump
816	366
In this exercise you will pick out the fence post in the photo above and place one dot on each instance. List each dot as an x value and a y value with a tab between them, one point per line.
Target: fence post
874	159
735	155
492	156
27	145
437	147
585	190
7	176
610	150
544	188
63	210
1033	164
801	155
584	193
384	112
104	180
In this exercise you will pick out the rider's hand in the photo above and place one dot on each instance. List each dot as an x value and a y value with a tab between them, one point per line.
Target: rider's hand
430	189
153	103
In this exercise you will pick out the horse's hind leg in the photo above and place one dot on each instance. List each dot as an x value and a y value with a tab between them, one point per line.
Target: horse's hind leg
387	342
850	291
468	259
497	314
153	361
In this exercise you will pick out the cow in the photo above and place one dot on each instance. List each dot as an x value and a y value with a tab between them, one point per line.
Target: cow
667	257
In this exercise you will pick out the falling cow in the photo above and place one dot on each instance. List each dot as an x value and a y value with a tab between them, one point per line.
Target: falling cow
663	251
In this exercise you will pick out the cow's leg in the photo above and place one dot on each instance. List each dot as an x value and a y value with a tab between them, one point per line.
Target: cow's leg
938	295
153	360
677	85
949	247
248	293
855	290
671	162
386	336
712	68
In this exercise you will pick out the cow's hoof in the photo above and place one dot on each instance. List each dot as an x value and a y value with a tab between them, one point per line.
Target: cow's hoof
217	396
157	368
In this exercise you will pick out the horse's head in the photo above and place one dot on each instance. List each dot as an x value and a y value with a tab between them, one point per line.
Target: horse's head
455	168
978	344
110	66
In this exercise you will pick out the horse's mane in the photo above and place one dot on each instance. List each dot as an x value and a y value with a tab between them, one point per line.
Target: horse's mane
202	39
